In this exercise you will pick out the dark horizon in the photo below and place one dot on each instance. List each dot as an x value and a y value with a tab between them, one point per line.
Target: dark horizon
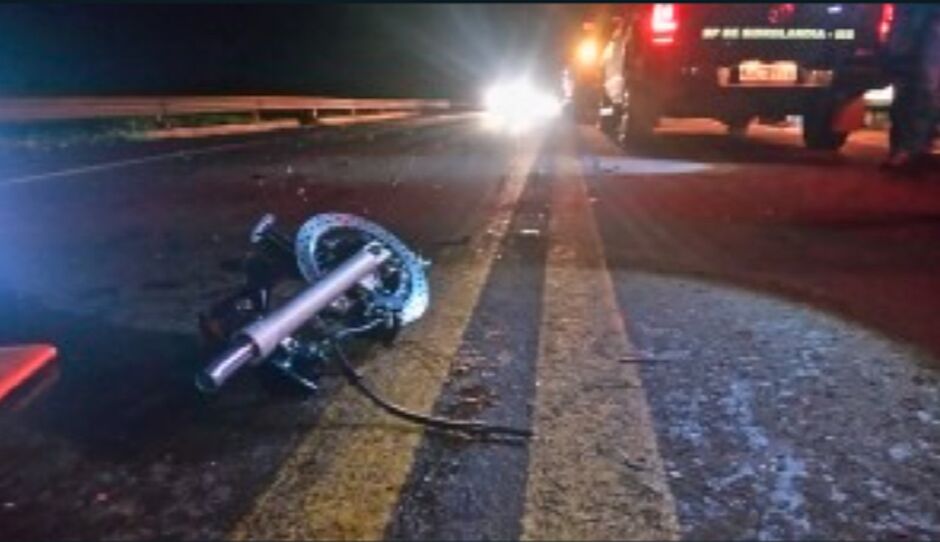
357	50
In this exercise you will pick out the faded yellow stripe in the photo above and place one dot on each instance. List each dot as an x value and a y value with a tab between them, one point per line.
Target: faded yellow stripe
344	479
595	472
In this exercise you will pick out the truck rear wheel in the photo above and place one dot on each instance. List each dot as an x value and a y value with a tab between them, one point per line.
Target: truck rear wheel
737	125
608	123
818	133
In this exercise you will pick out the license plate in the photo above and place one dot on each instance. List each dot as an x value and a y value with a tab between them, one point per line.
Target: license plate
767	72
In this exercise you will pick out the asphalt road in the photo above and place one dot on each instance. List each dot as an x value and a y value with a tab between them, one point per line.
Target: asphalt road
712	338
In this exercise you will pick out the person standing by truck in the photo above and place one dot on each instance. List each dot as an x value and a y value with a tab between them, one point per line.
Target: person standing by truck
913	59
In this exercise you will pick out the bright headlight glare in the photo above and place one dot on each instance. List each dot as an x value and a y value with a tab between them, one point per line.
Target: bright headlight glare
518	104
492	97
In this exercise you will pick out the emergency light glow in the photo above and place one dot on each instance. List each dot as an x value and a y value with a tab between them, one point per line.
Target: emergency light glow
587	52
664	23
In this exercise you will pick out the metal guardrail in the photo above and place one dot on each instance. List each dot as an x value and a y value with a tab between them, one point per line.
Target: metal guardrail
74	108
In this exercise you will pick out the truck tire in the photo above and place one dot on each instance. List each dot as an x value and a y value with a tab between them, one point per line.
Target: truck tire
737	126
608	123
818	133
640	116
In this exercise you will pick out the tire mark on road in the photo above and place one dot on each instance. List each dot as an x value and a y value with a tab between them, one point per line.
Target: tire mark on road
117	164
187	153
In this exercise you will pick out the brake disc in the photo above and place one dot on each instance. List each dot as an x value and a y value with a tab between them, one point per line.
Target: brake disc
326	240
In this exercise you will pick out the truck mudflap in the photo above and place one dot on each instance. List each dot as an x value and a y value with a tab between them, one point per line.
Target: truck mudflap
850	116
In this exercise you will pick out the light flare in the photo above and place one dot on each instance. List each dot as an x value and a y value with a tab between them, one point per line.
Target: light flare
518	106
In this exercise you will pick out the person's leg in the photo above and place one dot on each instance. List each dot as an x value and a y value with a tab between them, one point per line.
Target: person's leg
902	112
915	139
924	95
912	115
931	67
896	117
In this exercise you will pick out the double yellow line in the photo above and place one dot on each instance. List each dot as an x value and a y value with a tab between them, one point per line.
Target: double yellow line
594	471
343	480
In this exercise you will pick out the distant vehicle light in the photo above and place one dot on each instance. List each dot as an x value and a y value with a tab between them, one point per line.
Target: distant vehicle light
517	105
587	52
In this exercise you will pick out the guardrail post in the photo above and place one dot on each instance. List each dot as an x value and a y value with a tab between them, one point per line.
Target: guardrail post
309	117
163	119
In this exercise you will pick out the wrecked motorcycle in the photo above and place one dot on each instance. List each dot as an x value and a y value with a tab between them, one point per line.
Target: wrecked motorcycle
359	282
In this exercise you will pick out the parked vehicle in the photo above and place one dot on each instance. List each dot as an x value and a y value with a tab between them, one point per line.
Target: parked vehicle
735	62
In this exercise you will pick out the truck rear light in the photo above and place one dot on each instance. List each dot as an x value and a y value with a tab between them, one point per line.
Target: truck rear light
664	24
886	22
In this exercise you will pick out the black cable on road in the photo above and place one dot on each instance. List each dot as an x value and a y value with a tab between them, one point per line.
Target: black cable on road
468	426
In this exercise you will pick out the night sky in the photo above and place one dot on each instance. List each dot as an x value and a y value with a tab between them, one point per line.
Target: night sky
351	50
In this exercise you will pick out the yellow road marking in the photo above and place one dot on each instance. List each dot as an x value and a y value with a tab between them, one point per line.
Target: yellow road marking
343	480
594	470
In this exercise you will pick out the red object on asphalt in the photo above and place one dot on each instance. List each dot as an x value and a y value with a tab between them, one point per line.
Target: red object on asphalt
18	363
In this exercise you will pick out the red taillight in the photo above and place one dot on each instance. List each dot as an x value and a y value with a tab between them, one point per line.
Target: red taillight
885	23
664	24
